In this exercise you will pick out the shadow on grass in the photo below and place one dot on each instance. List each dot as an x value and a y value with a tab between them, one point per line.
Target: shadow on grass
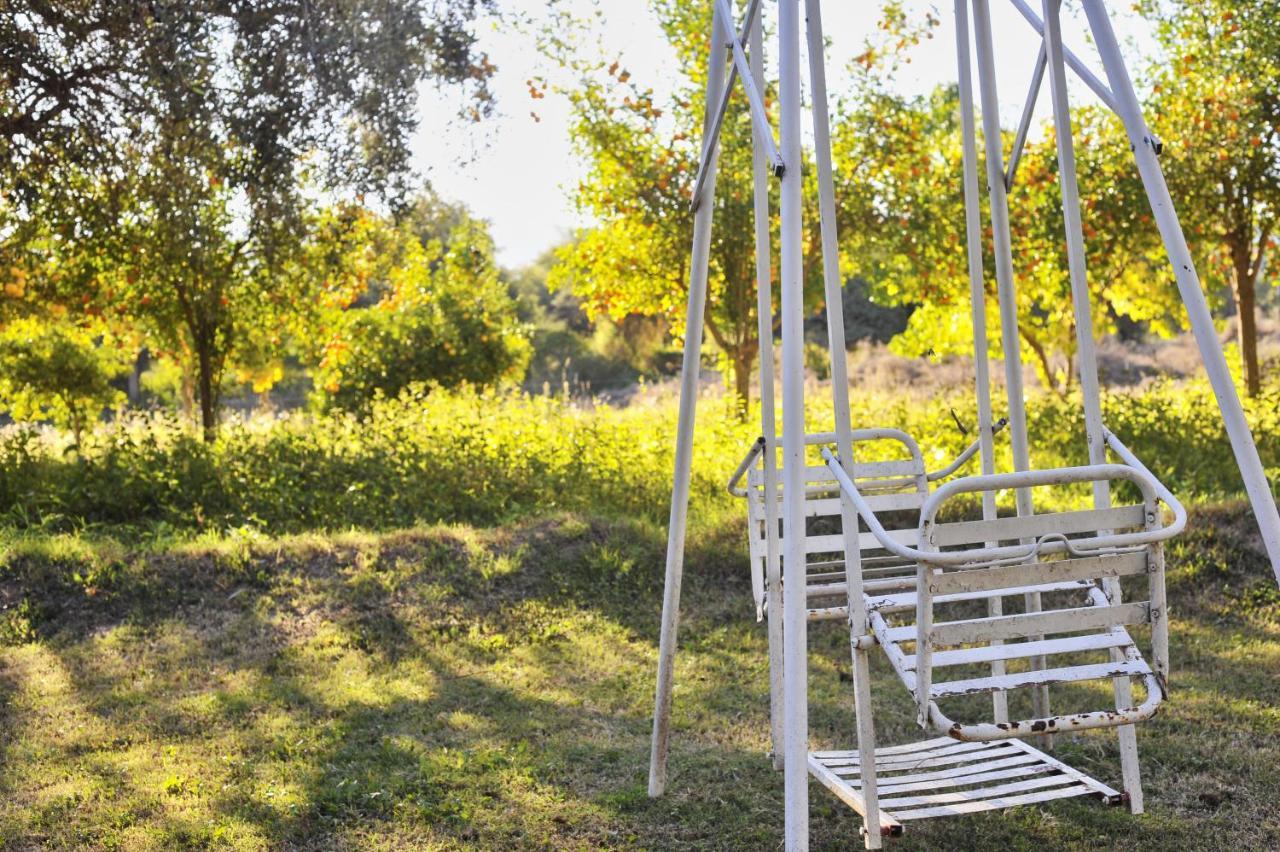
455	687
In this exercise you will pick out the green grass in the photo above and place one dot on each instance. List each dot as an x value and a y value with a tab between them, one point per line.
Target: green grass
446	687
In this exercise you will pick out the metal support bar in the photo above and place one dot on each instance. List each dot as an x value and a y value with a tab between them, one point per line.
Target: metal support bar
759	118
768	426
1006	290
1095	434
1024	123
795	663
1175	243
1074	62
1087	358
978	306
833	284
684	445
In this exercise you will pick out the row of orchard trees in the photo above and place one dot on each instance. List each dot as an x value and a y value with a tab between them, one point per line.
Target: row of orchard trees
1213	97
169	177
162	168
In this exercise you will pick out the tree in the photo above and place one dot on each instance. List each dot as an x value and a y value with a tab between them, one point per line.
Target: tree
168	146
904	155
57	371
275	80
420	301
1216	103
642	158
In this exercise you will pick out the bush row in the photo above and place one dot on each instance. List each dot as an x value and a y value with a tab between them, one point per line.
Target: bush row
487	457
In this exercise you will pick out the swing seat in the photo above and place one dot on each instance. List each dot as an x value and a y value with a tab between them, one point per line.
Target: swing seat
946	640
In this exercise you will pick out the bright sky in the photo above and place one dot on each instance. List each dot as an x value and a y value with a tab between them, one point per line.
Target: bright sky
515	171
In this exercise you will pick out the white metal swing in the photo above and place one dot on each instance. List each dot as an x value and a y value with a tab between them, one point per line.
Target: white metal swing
931	592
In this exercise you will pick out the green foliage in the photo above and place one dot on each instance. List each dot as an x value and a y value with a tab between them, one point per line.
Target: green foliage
485	457
411	303
275	87
900	159
641	154
1214	100
159	161
56	372
448	342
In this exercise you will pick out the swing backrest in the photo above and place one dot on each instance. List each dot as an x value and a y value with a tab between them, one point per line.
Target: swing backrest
897	487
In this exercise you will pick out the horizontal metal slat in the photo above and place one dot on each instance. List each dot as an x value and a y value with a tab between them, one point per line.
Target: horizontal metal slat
992	804
1077	568
1022	650
907	600
1001	749
1034	526
1066	674
1020	760
1000	790
1024	625
866	541
827	613
1027	766
923	745
819	507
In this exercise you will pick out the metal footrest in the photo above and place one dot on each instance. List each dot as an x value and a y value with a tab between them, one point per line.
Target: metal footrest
943	777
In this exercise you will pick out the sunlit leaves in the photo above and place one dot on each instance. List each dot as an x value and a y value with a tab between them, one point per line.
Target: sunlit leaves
1216	104
399	303
57	371
642	155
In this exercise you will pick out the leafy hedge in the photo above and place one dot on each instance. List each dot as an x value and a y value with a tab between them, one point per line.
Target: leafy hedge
485	457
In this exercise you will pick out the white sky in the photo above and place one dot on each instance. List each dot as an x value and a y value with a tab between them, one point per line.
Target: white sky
515	171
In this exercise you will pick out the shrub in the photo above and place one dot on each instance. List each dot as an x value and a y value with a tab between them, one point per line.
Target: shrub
439	314
56	372
489	456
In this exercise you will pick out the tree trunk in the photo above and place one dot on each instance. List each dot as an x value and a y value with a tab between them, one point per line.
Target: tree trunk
742	358
1246	310
208	400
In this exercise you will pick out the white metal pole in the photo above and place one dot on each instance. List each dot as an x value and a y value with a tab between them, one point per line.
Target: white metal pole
795	665
1175	243
768	425
832	283
1006	291
1086	355
1087	359
684	436
978	303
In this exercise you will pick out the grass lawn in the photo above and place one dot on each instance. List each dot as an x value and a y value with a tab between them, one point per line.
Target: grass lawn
452	687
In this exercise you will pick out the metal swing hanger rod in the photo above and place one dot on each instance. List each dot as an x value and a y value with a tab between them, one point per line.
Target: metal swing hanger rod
1024	124
759	117
1037	79
1074	62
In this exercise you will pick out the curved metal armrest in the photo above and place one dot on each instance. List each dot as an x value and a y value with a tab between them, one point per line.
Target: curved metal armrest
1165	495
817	438
987	731
1023	479
968	453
